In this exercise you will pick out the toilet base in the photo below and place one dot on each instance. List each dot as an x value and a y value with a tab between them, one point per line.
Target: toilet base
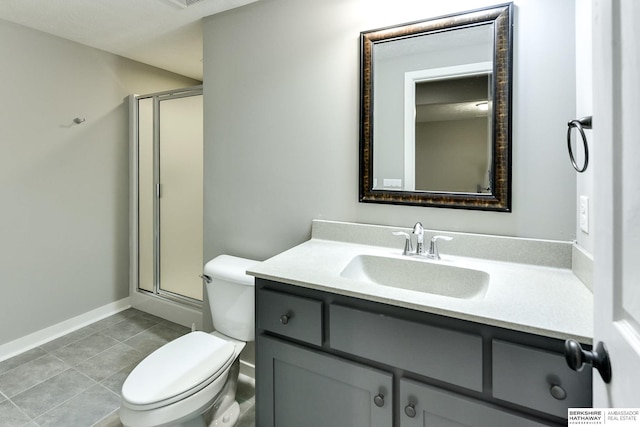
228	418
226	410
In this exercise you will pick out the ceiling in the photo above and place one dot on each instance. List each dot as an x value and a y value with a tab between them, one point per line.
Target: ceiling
163	33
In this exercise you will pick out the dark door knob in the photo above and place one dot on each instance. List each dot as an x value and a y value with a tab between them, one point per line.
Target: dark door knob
577	357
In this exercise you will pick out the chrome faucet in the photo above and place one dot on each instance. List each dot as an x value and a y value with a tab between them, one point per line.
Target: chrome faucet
433	246
418	230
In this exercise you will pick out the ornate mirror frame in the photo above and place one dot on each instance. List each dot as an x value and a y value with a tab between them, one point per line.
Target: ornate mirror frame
499	198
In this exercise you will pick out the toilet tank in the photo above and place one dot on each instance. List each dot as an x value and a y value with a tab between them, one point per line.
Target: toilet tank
231	296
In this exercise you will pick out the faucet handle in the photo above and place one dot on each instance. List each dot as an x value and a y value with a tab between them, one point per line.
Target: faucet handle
407	243
418	229
433	246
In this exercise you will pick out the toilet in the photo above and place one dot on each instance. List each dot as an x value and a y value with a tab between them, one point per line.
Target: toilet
191	381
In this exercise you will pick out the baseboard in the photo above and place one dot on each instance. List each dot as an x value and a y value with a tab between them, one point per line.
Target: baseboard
247	369
582	265
42	336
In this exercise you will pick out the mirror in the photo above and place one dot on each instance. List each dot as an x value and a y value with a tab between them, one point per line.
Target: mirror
436	112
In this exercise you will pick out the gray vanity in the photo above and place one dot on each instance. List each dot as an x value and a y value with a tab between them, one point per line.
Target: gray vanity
333	349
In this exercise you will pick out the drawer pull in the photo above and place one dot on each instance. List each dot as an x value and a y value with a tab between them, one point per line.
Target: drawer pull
410	410
558	392
379	400
284	319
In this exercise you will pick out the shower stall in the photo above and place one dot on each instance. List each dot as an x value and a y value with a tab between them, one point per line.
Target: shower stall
167	203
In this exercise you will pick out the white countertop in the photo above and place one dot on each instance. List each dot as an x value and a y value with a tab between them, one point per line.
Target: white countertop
543	300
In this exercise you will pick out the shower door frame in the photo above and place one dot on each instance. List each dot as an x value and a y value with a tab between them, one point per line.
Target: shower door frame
178	308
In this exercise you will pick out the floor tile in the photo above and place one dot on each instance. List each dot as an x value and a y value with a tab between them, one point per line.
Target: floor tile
177	327
11	416
109	362
30	374
85	409
47	395
85	348
115	381
246	388
21	359
124	330
114	319
153	338
248	419
111	420
70	338
57	382
148	316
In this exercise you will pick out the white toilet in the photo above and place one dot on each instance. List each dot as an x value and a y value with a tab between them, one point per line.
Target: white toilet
192	380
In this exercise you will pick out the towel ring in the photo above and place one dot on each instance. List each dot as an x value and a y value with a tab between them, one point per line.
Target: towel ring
580	124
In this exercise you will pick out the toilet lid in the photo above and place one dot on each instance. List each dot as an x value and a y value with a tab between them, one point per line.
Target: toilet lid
177	367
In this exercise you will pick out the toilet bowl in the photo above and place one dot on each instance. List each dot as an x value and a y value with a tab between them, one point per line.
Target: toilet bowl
192	380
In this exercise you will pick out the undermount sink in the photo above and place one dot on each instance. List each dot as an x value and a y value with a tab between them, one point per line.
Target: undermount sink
418	275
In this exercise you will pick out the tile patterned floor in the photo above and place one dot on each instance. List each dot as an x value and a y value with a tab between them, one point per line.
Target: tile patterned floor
75	380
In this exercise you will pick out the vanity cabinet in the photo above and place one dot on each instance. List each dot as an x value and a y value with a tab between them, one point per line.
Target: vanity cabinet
325	360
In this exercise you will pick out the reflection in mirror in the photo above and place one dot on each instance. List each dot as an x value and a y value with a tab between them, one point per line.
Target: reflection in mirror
452	122
435	112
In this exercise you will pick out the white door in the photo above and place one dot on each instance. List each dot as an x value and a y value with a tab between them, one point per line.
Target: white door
616	153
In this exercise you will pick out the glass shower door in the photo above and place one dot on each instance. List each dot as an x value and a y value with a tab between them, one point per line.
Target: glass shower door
181	194
170	195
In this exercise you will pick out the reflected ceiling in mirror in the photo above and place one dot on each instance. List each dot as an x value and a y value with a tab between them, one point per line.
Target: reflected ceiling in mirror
435	112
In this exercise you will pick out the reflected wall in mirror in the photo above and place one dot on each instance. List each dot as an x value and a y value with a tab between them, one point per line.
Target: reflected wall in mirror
435	112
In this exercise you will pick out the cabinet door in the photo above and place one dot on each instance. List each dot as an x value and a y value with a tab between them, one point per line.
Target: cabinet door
423	405
299	387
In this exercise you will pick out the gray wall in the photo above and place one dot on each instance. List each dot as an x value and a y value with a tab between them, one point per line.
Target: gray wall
64	187
584	107
281	123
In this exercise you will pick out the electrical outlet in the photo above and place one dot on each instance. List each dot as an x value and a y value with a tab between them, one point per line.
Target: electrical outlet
392	182
584	214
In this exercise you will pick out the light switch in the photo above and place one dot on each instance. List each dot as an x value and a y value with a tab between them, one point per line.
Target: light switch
584	214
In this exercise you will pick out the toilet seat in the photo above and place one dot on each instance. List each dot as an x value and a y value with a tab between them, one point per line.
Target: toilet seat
177	370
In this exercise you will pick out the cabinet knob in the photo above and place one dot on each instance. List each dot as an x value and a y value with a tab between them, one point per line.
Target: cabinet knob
284	319
379	400
577	357
558	392
410	410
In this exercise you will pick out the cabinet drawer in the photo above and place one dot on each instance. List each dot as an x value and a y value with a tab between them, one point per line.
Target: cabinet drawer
438	353
422	405
290	316
531	377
